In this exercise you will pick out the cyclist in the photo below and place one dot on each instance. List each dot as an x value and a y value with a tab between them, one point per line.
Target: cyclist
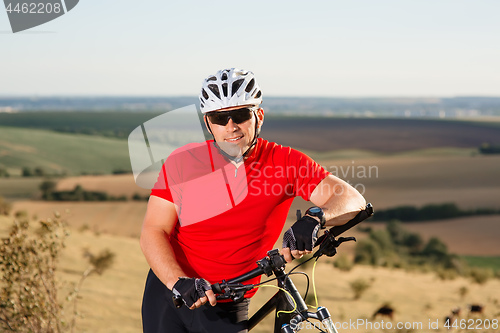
193	238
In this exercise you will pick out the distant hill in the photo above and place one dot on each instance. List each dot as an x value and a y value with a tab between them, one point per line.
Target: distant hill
37	145
387	107
377	134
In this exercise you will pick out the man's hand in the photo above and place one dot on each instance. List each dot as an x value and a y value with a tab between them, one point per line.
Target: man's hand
300	238
194	292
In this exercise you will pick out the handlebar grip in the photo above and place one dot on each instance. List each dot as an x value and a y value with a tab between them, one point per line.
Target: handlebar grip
217	289
337	230
178	301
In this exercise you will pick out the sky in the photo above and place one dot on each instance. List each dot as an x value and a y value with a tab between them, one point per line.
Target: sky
349	48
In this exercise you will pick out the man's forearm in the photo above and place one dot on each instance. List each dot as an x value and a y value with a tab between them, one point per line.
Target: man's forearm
160	256
339	200
338	213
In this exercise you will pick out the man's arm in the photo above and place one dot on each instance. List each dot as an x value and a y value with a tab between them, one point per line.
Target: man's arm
159	222
340	203
339	200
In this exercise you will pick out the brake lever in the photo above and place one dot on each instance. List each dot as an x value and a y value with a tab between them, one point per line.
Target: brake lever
329	245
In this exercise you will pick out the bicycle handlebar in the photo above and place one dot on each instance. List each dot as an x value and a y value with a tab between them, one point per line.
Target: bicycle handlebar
234	288
339	229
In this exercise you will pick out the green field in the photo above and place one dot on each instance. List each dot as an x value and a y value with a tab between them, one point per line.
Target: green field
483	261
61	153
19	188
114	124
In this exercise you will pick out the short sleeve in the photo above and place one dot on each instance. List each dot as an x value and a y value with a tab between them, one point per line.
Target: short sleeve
304	173
161	188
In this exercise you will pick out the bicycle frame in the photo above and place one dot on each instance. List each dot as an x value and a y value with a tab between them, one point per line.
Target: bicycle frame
287	322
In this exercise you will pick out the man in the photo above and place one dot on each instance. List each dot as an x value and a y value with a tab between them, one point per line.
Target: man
219	206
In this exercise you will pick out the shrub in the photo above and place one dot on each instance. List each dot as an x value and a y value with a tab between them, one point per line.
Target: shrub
359	286
5	207
480	275
367	252
4	173
28	299
446	273
343	262
26	172
396	230
383	239
436	249
413	242
463	291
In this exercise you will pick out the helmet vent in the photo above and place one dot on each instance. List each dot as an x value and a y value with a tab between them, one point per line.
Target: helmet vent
214	89
258	94
224	76
250	86
204	93
224	89
236	85
212	78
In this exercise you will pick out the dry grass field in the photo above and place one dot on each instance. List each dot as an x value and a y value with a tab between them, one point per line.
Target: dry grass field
114	185
113	218
111	302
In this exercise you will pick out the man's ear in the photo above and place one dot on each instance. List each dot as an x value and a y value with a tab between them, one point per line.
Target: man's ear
205	118
260	117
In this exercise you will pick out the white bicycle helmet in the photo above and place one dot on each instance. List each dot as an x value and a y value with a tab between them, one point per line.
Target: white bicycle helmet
228	88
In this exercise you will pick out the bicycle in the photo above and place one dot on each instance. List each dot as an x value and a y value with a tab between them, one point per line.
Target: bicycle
290	306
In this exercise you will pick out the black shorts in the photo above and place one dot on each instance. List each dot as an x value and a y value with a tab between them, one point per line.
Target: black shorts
159	314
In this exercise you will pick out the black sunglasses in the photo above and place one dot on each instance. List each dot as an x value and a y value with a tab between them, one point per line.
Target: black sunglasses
222	117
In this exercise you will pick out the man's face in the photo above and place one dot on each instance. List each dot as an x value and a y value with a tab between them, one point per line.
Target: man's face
233	138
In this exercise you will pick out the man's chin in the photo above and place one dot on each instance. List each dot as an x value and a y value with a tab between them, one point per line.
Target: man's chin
231	149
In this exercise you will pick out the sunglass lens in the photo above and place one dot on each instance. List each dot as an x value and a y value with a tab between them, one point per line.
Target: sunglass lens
238	116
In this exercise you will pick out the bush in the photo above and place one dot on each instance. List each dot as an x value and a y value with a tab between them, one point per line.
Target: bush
446	273
5	207
29	299
359	286
367	252
26	172
480	275
4	173
436	249
343	262
28	263
383	239
463	291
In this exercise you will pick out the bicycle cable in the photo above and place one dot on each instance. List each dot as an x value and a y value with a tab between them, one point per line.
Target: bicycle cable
286	292
314	285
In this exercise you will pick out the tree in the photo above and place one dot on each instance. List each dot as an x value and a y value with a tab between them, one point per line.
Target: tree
26	172
47	187
435	248
39	172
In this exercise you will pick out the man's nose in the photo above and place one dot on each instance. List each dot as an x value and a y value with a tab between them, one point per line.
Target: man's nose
231	125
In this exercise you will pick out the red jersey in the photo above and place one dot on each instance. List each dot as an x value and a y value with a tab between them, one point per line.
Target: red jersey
228	216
